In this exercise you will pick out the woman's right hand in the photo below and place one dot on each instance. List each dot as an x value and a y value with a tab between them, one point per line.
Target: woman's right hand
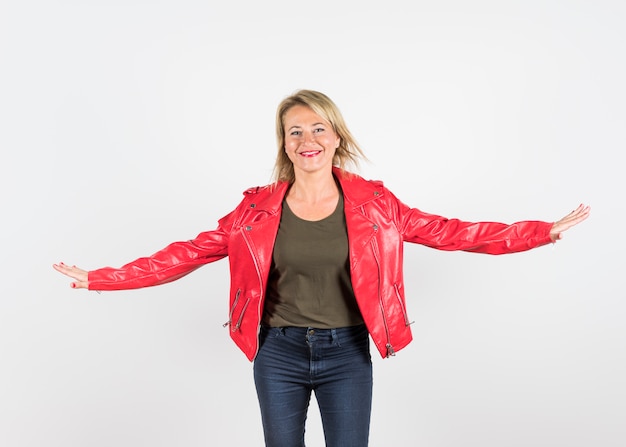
80	275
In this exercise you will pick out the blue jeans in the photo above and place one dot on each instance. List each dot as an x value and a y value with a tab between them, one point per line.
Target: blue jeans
335	363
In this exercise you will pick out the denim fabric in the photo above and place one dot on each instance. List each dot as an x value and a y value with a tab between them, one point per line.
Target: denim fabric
334	363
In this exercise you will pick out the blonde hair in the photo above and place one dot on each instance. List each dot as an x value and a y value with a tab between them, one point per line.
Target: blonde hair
348	151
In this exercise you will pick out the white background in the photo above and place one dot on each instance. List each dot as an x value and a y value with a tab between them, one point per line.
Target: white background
126	125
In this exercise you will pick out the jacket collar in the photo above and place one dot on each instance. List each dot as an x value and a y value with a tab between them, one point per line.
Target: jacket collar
356	192
268	198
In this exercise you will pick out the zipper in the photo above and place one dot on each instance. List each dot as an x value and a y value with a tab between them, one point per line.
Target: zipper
404	312
243	311
390	351
261	292
232	308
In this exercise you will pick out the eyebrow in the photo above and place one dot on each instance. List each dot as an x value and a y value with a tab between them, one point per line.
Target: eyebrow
315	124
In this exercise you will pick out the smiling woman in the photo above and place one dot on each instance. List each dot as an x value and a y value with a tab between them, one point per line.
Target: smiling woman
310	144
320	110
317	271
310	140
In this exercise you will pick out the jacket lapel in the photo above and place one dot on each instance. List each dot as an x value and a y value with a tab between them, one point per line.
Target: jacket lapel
361	228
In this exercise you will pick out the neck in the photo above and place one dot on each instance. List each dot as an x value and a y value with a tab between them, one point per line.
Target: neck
314	188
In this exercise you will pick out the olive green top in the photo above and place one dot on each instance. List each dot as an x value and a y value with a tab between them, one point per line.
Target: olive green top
309	283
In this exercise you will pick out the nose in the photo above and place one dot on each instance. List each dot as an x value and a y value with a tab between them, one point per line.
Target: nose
309	137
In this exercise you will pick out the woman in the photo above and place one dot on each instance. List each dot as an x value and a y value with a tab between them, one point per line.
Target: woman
316	270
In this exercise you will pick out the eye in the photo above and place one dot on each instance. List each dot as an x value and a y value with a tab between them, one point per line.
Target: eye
319	130
296	133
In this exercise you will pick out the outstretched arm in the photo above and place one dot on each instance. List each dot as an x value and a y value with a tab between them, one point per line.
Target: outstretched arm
80	275
168	264
480	237
567	222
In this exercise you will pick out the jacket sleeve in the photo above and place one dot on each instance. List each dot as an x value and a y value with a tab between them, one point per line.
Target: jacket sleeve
169	264
481	237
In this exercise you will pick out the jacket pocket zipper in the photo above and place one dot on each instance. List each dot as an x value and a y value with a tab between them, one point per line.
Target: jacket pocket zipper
232	308
232	312
240	319
404	312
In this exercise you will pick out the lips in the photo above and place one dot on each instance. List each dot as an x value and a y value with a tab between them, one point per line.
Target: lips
309	153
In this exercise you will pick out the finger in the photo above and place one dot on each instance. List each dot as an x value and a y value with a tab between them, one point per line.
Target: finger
575	211
73	268
72	272
579	214
573	218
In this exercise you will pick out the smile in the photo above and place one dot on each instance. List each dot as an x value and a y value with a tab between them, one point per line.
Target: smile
309	153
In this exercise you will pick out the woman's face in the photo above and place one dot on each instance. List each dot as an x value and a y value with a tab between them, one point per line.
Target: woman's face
310	141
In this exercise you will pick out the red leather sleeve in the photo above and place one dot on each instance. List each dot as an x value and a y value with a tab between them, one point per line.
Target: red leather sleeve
169	264
481	237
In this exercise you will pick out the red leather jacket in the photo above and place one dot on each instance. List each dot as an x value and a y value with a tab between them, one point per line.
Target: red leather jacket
378	224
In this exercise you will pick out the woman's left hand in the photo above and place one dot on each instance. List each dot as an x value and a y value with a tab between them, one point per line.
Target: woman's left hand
573	218
81	276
